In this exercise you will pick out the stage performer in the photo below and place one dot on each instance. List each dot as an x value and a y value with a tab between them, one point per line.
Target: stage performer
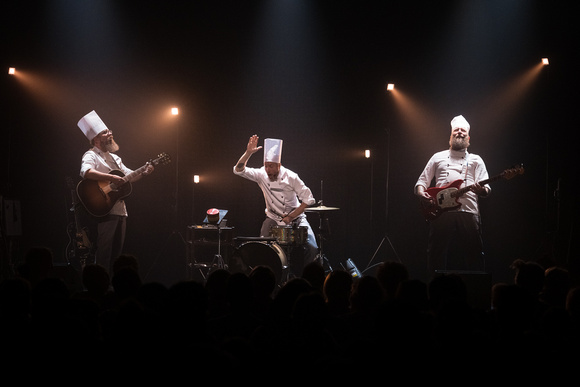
97	164
455	239
285	194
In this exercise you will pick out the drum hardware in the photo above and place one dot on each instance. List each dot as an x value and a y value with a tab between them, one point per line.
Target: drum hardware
214	220
202	268
199	266
322	212
255	239
218	261
215	217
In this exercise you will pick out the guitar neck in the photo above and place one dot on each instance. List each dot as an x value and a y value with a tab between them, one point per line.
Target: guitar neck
462	191
163	158
131	177
507	174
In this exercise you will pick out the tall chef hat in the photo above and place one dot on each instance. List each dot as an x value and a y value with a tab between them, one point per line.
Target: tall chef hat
91	125
272	150
459	122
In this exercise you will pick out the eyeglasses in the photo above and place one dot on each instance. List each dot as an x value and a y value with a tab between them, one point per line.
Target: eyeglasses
105	132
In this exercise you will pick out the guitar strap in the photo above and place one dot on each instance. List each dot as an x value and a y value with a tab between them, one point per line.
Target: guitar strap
114	162
111	164
466	166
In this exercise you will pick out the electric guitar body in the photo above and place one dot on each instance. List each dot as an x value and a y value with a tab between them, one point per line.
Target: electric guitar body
447	198
442	199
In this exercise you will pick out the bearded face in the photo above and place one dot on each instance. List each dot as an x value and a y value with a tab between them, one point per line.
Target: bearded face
106	142
458	142
111	146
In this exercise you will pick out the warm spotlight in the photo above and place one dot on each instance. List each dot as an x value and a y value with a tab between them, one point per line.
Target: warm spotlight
174	111
367	153
390	86
545	61
11	70
196	179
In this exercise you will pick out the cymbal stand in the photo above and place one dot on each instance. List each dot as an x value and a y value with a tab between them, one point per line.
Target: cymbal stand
321	257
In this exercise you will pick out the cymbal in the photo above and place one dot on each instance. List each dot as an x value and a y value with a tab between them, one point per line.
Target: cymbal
321	208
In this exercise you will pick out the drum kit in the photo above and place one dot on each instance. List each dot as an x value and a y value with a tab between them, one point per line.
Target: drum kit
276	251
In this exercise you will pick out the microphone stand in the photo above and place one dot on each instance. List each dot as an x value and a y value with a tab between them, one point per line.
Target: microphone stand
385	236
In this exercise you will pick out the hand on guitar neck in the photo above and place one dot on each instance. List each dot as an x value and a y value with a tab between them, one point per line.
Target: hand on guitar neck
436	200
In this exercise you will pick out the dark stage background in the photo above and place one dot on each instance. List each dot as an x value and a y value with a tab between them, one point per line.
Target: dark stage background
312	73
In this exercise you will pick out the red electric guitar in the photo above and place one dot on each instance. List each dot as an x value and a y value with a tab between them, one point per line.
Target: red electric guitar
447	198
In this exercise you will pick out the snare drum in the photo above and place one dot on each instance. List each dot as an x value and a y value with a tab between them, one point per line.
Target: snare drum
254	254
289	235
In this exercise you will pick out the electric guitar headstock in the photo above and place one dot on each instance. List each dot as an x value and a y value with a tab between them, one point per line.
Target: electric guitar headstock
512	172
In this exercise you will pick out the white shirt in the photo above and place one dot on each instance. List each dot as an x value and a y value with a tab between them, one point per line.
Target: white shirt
281	196
105	162
450	165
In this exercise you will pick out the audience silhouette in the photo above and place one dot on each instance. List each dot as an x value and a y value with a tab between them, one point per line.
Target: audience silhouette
263	281
317	322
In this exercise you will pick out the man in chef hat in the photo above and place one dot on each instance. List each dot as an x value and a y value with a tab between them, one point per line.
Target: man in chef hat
457	227
103	170
285	194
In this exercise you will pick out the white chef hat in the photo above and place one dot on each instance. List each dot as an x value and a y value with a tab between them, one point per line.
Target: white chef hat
91	125
272	150
459	122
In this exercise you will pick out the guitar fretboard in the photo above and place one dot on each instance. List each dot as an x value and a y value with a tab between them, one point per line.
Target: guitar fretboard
507	174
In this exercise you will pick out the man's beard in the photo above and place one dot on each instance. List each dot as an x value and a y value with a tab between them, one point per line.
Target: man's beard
459	143
273	177
111	146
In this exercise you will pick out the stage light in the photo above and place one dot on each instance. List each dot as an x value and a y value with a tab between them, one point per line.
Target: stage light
11	70
390	86
195	181
174	111
545	61
367	153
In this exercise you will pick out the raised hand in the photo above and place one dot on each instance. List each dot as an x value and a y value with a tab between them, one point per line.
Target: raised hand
252	146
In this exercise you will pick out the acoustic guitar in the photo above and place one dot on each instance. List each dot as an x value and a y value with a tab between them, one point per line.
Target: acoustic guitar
99	197
447	198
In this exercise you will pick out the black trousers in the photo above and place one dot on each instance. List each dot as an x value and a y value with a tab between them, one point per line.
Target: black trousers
455	242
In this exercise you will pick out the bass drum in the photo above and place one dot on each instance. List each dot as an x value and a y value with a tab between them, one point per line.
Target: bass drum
254	254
